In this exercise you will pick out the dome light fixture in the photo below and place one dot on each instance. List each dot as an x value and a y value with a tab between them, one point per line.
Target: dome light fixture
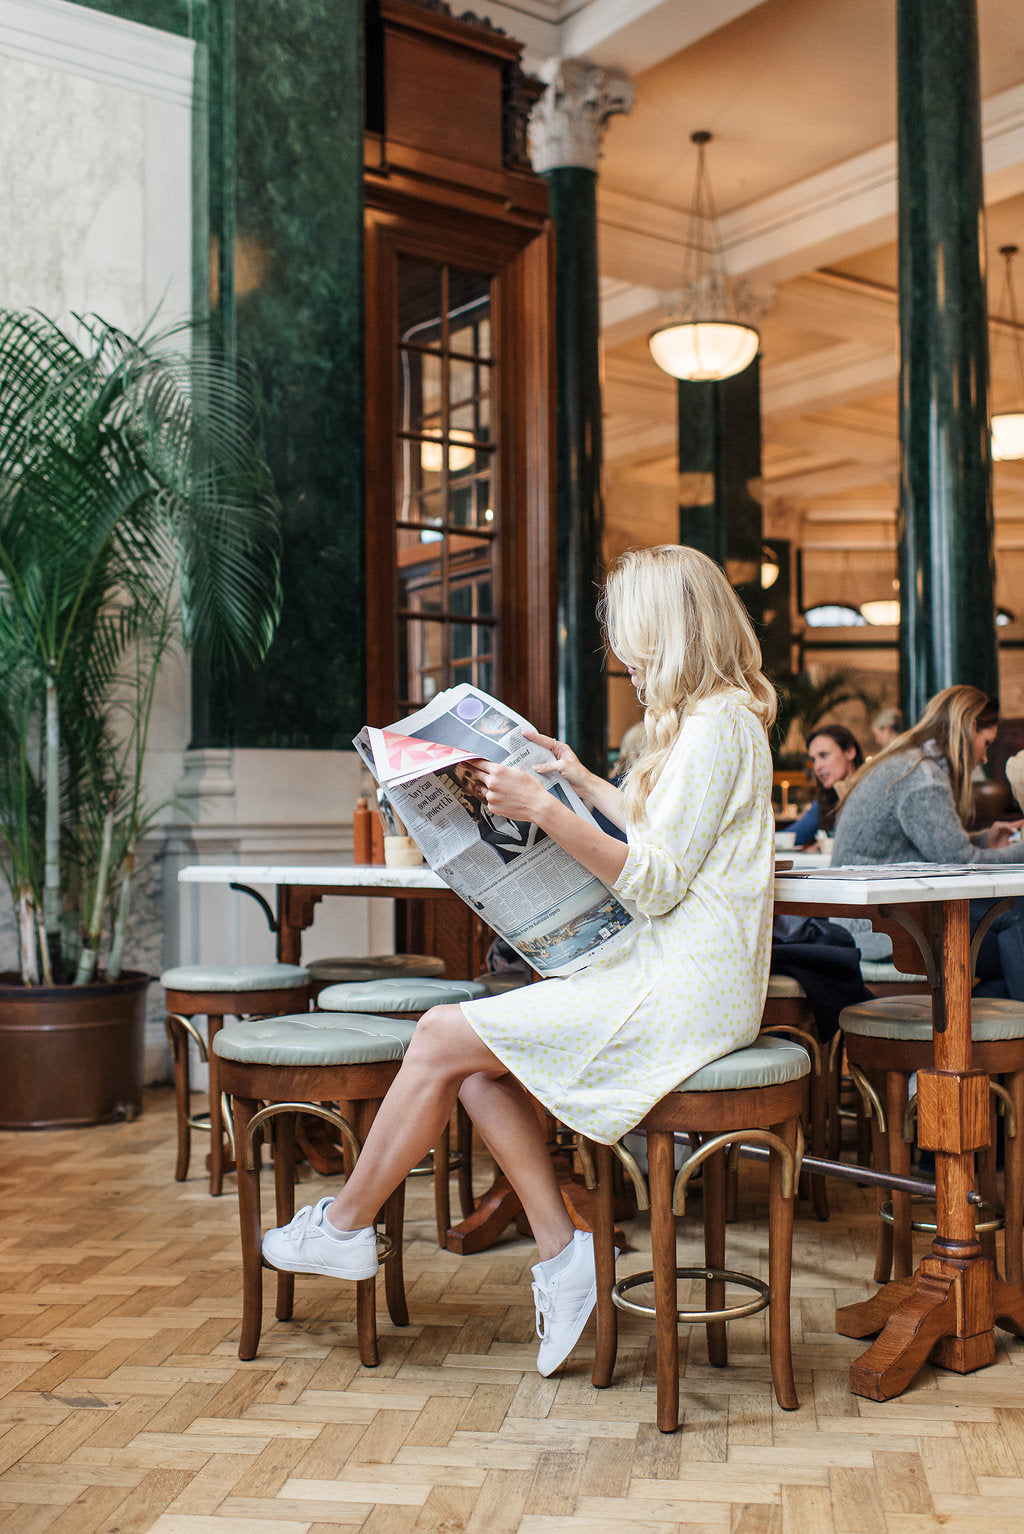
709	338
1008	425
834	615
882	613
770	567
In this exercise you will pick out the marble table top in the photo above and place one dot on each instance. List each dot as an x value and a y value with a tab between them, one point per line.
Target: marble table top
803	886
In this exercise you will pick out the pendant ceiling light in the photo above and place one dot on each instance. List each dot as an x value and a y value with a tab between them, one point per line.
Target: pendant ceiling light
1008	426
709	338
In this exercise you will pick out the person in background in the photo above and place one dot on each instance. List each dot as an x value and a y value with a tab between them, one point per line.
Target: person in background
687	984
886	725
835	756
911	804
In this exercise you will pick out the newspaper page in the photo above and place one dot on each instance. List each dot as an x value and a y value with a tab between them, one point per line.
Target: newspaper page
527	888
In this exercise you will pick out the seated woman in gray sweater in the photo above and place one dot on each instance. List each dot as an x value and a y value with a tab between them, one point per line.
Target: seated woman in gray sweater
909	804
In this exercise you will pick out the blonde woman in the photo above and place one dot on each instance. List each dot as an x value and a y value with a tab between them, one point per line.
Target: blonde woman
600	1047
911	804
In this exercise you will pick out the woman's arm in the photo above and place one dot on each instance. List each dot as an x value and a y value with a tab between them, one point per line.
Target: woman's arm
806	829
929	820
521	796
597	793
685	814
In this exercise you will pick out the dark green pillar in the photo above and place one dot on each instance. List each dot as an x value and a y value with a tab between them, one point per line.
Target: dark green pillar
286	213
720	509
566	130
947	630
582	703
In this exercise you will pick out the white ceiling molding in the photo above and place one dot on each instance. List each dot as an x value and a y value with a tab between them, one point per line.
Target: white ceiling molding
635	34
823	219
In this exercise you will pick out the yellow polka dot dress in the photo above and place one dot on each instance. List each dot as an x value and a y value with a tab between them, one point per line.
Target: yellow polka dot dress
600	1047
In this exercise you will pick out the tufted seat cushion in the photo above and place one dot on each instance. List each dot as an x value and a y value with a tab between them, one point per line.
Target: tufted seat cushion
314	1038
876	973
411	995
910	1017
374	966
498	984
784	988
768	1062
234	977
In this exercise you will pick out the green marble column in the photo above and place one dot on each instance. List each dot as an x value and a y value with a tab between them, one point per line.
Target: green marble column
286	224
947	633
582	691
720	509
566	129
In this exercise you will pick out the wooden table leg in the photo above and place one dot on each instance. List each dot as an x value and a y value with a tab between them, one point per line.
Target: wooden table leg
947	1311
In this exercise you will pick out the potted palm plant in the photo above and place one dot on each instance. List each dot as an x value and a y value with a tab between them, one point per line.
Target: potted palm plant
135	515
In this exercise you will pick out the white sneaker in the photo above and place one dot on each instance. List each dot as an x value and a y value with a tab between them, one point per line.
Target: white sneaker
305	1246
564	1302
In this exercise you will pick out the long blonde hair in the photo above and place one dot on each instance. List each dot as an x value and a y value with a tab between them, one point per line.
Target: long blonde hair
949	721
669	612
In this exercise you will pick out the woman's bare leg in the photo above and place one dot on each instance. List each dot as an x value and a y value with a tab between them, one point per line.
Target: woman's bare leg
445	1054
506	1117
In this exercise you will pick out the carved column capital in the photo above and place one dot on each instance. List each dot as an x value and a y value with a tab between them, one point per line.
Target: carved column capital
568	122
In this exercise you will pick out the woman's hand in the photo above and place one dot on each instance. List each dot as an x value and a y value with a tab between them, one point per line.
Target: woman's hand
566	764
1002	832
512	792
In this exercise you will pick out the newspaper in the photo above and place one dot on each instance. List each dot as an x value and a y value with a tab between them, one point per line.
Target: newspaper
526	887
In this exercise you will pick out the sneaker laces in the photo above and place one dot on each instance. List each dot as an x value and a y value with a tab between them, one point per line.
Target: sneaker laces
296	1227
543	1302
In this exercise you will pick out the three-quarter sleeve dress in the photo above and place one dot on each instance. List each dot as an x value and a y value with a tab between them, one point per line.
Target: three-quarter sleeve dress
600	1047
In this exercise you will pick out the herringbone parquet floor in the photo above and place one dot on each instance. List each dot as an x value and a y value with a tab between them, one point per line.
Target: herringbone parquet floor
124	1407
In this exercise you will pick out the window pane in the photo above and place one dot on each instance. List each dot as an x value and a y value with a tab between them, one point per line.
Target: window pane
423	670
470	576
420	571
419	392
469	306
419	301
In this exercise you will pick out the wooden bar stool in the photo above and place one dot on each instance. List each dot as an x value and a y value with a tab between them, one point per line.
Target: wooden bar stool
375	966
888	1040
787	1014
757	1094
273	1069
216	991
409	998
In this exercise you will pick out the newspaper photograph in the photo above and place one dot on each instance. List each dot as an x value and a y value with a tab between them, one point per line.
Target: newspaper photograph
526	887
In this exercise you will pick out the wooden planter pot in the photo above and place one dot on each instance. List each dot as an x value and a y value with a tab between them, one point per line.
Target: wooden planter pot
71	1055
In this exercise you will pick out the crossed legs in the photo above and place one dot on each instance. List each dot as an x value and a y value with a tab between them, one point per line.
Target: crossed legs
445	1060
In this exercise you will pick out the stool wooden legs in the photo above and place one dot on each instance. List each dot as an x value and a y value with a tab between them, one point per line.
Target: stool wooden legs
604	1264
661	1180
780	1274
243	1110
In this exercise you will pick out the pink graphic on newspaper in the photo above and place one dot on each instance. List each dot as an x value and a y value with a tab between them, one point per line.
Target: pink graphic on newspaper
402	758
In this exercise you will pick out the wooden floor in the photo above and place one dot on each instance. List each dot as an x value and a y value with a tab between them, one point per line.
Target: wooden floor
124	1407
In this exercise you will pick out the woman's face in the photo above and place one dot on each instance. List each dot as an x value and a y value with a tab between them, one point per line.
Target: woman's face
981	739
830	762
883	733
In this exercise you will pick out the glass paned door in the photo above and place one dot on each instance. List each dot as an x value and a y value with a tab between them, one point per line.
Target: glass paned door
447	517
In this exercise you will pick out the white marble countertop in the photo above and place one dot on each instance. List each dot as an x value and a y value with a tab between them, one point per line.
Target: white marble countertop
361	875
860	886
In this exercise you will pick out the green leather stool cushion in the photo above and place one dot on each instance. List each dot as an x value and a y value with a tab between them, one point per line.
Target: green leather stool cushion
374	966
876	973
411	995
314	1038
768	1062
784	987
234	977
910	1017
